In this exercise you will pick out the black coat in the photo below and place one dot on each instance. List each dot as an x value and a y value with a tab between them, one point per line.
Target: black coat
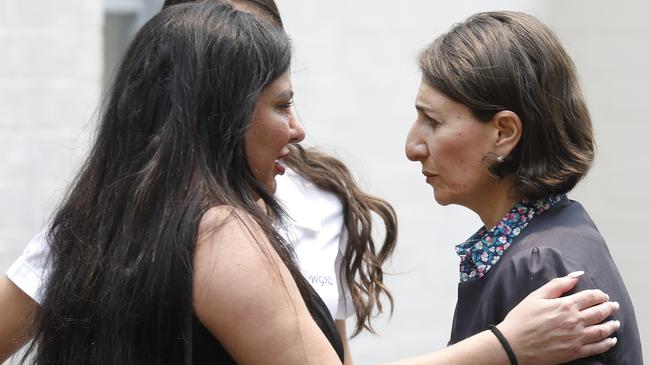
559	241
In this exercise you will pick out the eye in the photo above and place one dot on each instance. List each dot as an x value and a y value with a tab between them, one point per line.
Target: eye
429	120
286	106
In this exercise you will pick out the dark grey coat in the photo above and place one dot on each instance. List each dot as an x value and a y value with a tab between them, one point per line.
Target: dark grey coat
555	243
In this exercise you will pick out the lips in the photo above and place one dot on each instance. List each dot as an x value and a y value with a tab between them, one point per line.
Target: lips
279	168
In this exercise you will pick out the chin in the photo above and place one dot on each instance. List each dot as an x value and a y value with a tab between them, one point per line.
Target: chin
443	199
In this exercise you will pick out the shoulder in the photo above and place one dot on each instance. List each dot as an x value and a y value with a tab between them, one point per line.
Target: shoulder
234	265
31	269
245	296
230	238
565	231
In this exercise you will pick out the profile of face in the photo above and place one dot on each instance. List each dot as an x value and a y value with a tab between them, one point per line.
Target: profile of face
273	127
451	145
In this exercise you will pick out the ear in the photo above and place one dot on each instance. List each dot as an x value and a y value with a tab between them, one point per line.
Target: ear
509	128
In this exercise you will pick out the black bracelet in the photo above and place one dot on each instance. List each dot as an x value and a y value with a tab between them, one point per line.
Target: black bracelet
503	341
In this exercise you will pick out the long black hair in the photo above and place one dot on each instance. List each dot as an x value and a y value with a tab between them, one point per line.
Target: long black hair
170	145
362	264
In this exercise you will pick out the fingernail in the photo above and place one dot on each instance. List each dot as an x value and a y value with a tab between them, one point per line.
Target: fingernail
575	274
613	340
618	324
616	305
607	297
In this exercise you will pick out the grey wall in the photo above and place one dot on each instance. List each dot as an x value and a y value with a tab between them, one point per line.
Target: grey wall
355	77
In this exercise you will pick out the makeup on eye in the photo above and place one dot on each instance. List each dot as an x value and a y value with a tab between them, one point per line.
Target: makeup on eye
285	99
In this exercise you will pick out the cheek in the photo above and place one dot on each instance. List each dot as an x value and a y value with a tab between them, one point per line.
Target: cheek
459	160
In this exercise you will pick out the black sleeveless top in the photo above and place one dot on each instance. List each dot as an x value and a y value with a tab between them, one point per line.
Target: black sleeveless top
205	349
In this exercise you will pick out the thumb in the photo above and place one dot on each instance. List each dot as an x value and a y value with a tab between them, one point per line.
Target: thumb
556	287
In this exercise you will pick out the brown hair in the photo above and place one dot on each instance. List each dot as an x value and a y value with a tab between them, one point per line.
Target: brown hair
361	267
498	61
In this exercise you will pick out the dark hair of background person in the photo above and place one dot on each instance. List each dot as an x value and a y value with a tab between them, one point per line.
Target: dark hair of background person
498	61
363	260
170	145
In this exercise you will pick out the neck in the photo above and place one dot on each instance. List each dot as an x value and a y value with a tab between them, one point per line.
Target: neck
495	204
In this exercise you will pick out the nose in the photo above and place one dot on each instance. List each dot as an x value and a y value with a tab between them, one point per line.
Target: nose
296	129
416	148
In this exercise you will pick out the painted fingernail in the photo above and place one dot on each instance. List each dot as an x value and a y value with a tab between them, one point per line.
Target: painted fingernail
575	274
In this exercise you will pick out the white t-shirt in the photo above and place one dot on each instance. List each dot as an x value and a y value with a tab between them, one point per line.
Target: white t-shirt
315	230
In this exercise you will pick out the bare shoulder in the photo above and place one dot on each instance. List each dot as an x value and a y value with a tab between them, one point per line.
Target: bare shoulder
246	297
231	244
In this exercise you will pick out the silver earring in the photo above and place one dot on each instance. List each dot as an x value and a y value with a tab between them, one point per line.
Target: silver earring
499	158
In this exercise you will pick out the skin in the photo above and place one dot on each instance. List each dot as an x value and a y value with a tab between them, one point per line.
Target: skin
454	149
342	330
274	125
16	312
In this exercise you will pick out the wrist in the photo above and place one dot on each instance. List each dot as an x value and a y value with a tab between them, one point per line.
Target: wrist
504	343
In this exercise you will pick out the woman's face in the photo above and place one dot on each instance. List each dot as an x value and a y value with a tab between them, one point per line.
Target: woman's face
273	127
451	144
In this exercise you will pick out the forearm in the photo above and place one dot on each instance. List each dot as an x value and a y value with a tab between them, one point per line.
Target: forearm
16	311
482	348
342	331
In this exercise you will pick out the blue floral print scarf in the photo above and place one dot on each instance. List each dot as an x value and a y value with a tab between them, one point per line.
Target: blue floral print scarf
482	251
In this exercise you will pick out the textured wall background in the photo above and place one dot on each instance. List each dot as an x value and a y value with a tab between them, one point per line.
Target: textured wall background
50	80
355	77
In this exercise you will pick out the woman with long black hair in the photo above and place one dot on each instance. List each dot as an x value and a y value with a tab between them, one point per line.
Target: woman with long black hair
185	156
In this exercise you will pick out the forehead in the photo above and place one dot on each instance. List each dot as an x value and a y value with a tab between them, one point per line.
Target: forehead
430	97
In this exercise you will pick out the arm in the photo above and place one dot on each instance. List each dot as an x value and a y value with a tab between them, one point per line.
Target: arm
342	330
541	330
16	312
245	296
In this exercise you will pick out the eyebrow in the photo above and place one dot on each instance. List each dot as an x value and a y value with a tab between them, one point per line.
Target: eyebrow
286	93
422	108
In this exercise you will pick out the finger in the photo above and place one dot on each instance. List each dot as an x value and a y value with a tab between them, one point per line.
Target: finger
598	347
596	333
598	313
588	298
556	287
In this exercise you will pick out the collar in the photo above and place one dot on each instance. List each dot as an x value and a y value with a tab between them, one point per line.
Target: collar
482	251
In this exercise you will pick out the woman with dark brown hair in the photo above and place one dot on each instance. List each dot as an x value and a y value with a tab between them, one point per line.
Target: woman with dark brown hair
503	130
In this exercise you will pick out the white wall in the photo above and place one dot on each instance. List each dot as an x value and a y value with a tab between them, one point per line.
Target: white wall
50	73
355	78
50	77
